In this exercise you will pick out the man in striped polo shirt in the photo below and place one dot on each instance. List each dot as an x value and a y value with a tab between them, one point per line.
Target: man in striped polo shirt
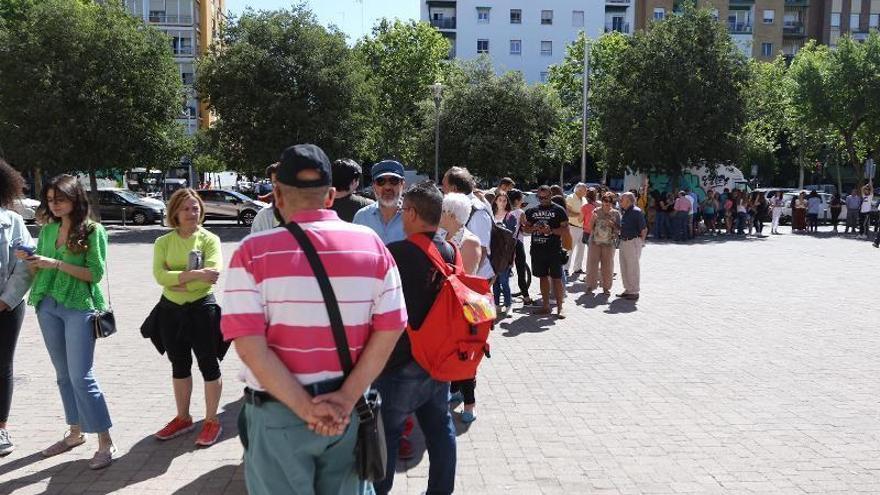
274	312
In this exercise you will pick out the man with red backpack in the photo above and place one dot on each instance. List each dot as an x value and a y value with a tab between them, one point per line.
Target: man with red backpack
405	386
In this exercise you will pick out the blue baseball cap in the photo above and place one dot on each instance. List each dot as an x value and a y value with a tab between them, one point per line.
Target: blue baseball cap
385	168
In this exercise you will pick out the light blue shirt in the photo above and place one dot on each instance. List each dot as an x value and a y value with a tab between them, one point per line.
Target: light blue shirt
371	216
15	279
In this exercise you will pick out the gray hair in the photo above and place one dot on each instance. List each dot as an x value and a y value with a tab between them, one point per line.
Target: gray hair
579	185
459	205
630	196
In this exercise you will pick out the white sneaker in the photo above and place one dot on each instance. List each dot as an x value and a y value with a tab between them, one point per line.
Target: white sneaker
6	445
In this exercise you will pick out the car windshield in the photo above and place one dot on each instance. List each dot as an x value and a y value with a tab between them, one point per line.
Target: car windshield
129	196
239	195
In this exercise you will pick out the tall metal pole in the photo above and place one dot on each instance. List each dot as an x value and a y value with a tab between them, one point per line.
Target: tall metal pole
437	141
586	107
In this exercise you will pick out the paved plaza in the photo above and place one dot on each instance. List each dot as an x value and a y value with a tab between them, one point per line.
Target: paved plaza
748	366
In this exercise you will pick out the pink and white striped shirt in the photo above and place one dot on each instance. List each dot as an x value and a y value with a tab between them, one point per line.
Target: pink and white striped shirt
271	291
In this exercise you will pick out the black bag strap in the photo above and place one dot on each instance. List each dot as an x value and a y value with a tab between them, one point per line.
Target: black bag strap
330	301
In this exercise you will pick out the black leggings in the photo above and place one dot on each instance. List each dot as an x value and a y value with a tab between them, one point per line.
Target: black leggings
466	387
10	326
200	337
522	275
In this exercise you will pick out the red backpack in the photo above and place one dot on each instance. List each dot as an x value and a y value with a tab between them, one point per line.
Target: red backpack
453	338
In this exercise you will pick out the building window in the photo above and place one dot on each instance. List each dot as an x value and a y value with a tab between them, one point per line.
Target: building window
769	16
544	76
547	17
483	15
659	14
515	16
835	20
874	21
855	20
715	14
547	48
516	47
767	49
577	18
482	46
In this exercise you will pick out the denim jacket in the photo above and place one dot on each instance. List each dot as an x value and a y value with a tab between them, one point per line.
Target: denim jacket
15	279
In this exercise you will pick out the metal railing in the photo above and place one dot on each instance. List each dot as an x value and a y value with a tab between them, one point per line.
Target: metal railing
618	2
739	27
445	23
170	19
620	27
793	28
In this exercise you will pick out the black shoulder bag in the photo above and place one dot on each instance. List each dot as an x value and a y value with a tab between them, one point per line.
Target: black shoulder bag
371	455
103	322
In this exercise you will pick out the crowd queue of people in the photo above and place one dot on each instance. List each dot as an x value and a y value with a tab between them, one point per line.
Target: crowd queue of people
298	422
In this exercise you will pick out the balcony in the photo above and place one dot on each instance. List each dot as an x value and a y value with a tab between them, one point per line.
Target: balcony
739	28
797	3
618	2
445	23
793	29
182	51
162	18
622	27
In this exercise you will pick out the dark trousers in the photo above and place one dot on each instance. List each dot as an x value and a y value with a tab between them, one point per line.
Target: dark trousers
864	223
411	390
467	388
10	326
522	275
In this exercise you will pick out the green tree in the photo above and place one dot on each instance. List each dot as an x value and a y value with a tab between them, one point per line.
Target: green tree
403	58
673	98
766	102
279	78
566	79
494	125
839	90
86	87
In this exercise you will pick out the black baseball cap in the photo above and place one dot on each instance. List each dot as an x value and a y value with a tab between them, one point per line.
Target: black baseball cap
301	157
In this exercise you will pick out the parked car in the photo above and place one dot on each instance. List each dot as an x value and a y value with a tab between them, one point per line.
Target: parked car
221	204
770	192
115	204
27	208
824	213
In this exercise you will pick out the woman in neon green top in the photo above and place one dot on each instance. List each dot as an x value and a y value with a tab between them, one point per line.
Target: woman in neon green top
186	321
68	267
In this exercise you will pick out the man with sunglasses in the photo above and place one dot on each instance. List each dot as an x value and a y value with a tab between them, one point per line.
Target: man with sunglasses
384	215
547	222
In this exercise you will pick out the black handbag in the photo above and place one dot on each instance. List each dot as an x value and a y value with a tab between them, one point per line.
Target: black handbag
103	322
371	455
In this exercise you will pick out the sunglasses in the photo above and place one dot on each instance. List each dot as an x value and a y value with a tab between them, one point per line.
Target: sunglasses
381	181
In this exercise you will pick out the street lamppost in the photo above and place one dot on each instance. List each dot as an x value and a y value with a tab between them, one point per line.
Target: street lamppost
586	109
437	89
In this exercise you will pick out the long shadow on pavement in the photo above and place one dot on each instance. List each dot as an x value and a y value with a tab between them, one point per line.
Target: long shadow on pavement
527	324
221	480
147	459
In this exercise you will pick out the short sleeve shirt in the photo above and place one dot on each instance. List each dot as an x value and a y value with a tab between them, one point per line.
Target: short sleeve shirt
552	215
632	222
271	291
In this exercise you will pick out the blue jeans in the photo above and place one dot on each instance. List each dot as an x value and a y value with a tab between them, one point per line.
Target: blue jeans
71	347
411	390
661	225
681	225
502	286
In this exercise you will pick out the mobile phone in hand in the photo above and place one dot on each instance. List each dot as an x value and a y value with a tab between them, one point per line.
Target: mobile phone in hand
22	247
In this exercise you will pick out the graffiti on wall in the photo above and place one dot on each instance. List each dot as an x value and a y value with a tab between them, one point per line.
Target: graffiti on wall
699	180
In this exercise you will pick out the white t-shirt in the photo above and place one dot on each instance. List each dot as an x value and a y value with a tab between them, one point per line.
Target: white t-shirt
265	220
693	203
867	201
480	225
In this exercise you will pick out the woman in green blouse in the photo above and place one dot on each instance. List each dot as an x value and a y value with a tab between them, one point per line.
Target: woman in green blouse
68	267
186	321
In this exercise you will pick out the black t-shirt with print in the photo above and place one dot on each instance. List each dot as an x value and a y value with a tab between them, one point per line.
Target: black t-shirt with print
552	215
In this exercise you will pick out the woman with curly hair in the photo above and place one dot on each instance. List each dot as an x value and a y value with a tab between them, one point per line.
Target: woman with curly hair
15	279
68	266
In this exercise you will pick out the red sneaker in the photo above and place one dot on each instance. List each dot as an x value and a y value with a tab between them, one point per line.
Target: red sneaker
404	449
175	428
210	433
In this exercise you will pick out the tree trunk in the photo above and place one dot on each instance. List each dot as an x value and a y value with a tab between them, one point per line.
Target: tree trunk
93	195
854	160
839	181
800	167
38	182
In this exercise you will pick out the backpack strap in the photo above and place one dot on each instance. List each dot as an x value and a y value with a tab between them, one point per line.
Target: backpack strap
430	249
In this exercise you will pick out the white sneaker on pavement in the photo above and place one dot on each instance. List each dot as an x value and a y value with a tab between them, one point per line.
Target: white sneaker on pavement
6	445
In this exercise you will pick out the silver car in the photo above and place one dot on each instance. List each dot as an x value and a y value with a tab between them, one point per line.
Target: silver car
221	204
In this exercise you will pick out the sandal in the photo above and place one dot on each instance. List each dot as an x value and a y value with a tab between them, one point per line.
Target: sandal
102	459
62	446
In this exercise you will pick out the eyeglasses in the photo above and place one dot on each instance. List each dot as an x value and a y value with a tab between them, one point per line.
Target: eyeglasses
381	181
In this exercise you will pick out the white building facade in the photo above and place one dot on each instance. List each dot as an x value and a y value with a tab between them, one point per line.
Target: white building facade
524	35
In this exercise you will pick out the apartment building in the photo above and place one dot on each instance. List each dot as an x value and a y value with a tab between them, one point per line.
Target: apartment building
192	26
524	35
854	17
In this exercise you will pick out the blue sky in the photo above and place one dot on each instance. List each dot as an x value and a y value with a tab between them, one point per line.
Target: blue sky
346	14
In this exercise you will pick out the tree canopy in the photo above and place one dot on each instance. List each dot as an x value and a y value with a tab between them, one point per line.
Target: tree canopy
85	86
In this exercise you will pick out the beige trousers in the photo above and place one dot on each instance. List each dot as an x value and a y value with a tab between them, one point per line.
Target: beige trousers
630	252
597	255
